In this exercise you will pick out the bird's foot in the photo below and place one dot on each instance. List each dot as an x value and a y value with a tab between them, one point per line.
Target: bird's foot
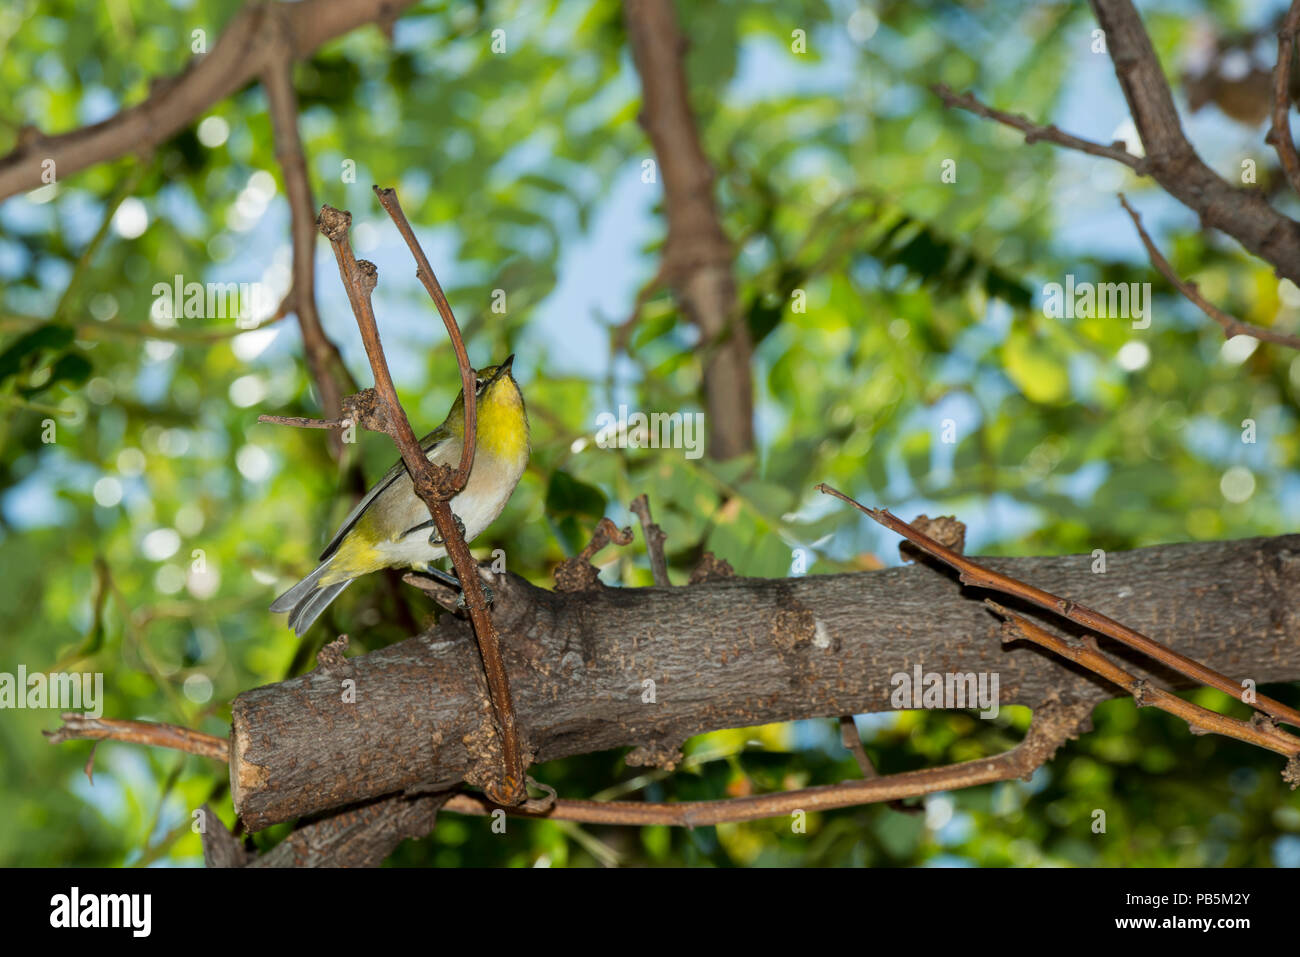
442	577
451	581
487	596
460	529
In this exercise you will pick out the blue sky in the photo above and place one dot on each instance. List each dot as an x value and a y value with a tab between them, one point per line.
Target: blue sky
601	269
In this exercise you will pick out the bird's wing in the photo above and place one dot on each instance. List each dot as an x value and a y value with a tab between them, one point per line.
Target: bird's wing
430	442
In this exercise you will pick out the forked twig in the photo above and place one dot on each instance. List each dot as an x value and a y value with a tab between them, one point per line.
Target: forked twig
1201	720
424	272
972	574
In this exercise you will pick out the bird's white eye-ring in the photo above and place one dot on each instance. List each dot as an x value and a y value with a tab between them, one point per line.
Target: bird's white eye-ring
479	383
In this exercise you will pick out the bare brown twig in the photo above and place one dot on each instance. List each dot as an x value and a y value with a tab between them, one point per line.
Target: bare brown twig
77	726
424	272
1200	719
1040	133
302	422
578	573
1053	725
1231	325
654	540
606	533
852	740
976	575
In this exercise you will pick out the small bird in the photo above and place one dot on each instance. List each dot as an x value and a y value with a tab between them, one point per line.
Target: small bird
390	527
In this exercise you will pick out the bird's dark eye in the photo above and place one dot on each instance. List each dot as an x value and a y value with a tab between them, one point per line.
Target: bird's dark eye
478	384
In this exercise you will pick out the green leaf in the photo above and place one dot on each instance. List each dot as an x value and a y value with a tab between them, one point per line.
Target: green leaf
72	368
48	337
567	496
1040	375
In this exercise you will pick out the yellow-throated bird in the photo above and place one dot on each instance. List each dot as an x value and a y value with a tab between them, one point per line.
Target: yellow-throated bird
390	527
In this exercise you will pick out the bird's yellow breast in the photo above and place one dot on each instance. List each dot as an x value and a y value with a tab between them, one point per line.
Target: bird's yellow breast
379	538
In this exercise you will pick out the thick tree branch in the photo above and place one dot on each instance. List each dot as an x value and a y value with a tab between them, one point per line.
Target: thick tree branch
1170	158
239	55
1175	165
361	836
733	652
1254	602
697	256
1280	132
323	360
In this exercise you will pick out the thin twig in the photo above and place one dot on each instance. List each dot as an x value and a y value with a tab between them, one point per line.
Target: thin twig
976	575
1232	326
444	595
1052	726
124	189
622	332
1036	132
77	726
424	272
852	740
578	573
1280	133
302	422
1201	720
606	533
654	540
96	330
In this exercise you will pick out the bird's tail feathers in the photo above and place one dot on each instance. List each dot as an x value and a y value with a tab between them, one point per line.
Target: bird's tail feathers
306	600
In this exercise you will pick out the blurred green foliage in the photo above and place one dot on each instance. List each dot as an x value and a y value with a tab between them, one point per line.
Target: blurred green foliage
147	539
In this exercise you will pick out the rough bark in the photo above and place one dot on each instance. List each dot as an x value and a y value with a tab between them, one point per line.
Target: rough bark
360	836
730	653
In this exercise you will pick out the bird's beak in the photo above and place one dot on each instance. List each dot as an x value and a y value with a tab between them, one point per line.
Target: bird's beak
503	369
